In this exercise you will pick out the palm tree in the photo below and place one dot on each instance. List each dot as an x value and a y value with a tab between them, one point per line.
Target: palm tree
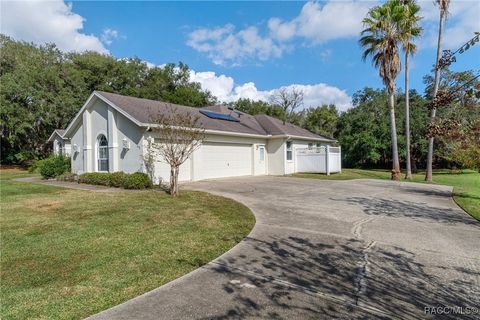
443	6
379	39
409	29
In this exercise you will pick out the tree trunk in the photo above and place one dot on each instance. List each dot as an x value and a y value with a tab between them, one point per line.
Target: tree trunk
174	181
393	133
407	120
429	173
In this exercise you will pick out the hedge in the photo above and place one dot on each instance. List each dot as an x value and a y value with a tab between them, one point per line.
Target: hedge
137	180
52	166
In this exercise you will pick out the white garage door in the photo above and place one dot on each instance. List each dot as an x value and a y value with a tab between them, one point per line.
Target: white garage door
223	160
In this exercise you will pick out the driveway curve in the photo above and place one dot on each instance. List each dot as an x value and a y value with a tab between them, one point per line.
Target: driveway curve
357	249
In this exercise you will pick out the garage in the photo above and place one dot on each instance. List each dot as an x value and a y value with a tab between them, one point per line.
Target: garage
215	160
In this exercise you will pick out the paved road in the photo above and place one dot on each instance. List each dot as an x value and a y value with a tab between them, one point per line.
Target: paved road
329	249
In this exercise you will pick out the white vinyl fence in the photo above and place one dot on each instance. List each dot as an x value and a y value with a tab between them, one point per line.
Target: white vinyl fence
324	159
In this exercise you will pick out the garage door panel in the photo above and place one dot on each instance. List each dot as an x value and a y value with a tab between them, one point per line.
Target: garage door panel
224	160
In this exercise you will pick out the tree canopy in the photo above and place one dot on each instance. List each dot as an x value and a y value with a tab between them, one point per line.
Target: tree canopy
43	88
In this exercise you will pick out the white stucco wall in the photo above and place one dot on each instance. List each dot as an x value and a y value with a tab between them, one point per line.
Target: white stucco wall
77	156
130	160
276	156
99	119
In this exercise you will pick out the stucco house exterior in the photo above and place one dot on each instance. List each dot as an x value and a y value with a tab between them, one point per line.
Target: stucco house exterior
60	144
111	131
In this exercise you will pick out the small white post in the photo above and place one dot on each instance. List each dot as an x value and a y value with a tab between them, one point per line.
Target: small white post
339	159
327	159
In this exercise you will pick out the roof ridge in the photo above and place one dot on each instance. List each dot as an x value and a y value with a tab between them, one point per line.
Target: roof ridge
146	99
272	121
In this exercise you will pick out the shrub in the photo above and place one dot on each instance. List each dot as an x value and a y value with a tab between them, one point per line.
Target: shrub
97	178
33	167
137	180
117	179
53	166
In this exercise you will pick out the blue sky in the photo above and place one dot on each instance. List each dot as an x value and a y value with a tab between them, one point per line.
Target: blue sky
242	49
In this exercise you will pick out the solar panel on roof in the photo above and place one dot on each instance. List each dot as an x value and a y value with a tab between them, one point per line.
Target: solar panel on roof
220	116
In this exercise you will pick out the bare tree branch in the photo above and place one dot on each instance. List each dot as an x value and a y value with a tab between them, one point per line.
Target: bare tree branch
180	132
288	99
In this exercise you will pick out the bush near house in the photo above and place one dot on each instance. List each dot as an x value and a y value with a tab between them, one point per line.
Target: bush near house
137	180
96	178
116	179
53	166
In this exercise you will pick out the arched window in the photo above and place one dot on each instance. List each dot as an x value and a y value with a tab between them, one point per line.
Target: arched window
102	153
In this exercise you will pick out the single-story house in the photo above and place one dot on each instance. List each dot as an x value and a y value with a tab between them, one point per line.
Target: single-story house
60	144
110	133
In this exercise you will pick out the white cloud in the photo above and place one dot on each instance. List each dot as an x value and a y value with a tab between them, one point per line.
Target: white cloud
320	24
108	35
47	21
462	21
281	30
224	44
316	23
225	88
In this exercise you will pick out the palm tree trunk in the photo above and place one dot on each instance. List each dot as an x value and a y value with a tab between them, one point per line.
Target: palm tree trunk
429	173
393	133
407	119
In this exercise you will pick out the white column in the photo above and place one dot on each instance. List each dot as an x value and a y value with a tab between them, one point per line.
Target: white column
327	159
112	140
89	145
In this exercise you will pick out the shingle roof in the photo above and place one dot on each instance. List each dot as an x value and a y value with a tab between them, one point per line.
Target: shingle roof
144	110
276	126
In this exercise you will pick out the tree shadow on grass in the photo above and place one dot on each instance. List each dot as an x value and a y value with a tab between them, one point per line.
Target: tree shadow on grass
338	279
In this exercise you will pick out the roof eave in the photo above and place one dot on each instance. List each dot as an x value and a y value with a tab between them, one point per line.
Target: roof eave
98	95
50	139
289	136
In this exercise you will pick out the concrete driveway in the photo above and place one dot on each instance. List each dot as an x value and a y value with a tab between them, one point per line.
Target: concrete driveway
330	249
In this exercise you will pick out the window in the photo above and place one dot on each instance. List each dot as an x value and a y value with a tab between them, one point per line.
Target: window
102	153
60	148
310	146
289	151
319	144
262	154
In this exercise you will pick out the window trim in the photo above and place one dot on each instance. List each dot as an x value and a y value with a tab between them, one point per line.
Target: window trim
289	150
97	152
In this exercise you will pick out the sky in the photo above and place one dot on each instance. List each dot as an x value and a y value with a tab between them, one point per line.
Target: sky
243	49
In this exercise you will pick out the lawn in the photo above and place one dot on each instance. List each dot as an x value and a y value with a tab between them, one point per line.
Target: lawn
68	254
466	183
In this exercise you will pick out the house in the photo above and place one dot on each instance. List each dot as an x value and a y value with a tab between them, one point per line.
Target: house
60	144
111	131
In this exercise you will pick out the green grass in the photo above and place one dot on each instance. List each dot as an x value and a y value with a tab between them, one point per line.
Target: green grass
466	184
67	254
